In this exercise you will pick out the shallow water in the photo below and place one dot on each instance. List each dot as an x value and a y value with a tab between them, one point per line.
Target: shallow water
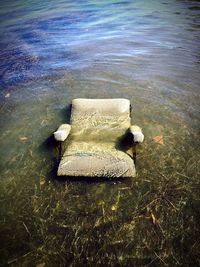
54	51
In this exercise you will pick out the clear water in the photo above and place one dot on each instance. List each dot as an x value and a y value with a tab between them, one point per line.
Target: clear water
54	51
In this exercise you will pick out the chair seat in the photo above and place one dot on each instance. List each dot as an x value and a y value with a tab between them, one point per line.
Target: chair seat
95	160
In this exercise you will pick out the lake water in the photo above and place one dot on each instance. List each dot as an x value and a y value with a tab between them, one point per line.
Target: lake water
54	51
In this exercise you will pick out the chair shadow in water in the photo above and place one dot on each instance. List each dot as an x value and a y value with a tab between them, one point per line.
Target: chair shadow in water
125	143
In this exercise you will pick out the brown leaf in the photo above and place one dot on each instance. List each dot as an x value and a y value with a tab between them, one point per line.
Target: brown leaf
158	139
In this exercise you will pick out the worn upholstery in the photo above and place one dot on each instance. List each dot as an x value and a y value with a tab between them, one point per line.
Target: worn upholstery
95	146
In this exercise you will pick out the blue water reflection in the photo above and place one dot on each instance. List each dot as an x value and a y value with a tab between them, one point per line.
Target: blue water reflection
44	38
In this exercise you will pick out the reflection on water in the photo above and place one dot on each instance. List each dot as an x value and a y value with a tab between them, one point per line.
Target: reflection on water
54	51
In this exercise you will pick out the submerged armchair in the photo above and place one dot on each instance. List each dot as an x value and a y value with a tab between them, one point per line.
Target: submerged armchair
99	140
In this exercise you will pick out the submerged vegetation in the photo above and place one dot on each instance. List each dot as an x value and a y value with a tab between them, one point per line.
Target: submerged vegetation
152	220
55	51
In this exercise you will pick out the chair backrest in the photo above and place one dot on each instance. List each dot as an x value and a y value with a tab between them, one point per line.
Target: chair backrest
117	106
100	118
94	109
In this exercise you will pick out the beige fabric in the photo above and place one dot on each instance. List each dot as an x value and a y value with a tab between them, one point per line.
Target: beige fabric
95	160
91	112
62	132
112	107
92	148
136	131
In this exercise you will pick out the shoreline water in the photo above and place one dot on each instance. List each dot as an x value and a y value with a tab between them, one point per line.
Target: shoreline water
147	53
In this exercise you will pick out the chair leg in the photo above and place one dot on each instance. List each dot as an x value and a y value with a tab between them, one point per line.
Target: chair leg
59	150
134	152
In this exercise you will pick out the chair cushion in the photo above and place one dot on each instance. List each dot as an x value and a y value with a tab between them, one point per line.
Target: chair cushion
95	160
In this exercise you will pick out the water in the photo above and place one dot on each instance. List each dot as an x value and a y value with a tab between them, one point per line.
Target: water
54	51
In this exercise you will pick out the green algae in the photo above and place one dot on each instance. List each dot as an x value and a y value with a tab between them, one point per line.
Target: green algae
152	220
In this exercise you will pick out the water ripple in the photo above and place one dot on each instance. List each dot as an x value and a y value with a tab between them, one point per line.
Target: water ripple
52	37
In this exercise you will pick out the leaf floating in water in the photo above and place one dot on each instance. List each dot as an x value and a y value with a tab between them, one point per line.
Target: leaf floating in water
23	138
158	139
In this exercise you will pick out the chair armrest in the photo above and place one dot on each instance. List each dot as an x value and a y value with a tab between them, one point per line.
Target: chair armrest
62	132
137	133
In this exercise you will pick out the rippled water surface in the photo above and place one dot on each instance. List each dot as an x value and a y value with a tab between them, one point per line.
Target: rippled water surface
54	51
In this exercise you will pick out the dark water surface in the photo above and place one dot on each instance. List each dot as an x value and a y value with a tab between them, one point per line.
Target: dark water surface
54	51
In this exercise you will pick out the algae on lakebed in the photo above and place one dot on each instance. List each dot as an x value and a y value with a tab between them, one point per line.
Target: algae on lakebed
147	221
55	51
